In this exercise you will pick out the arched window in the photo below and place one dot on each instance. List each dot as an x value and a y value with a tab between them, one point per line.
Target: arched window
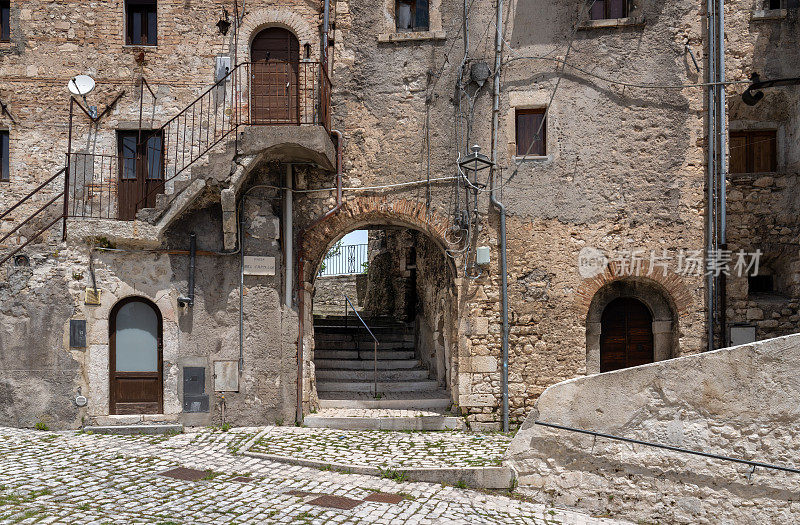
135	360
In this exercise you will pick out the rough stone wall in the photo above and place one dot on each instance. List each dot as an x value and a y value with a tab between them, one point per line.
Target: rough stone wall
763	207
329	293
740	402
624	168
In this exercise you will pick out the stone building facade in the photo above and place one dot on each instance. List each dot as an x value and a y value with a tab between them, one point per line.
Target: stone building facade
620	167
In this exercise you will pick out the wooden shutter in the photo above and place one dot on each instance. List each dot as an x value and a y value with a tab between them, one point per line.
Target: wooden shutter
764	151
422	20
529	123
738	152
617	8
598	11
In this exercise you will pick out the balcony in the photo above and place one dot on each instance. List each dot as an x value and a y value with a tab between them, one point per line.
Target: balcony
277	108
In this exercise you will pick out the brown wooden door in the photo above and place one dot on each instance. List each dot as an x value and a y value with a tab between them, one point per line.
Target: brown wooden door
626	337
275	98
141	171
135	358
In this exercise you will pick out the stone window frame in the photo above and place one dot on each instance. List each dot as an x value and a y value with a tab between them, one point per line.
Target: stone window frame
530	100
764	12
391	34
635	18
142	47
653	295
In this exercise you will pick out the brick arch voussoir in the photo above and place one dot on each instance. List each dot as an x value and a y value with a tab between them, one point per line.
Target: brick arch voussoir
370	210
258	19
671	283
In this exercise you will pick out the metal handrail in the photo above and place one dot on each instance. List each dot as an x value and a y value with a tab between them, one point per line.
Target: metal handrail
669	447
32	193
375	346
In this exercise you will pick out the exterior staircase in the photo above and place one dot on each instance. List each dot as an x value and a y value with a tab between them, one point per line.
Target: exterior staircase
348	370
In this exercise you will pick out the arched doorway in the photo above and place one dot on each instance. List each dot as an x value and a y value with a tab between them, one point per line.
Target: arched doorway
135	358
626	337
274	98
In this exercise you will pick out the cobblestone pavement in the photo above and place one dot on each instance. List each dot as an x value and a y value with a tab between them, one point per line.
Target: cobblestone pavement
72	477
379	412
384	448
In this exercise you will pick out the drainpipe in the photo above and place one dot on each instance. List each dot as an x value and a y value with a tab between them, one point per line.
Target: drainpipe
326	19
288	236
498	54
723	168
240	213
301	304
710	168
189	301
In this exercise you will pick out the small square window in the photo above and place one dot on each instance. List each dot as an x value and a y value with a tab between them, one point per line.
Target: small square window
760	284
531	132
608	9
5	20
141	21
5	174
753	151
412	15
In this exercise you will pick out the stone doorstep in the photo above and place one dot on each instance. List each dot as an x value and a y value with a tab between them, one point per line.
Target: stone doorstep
152	428
385	423
474	477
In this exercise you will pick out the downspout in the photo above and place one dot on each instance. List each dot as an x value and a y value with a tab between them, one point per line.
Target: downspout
723	164
288	249
710	168
498	53
326	21
301	304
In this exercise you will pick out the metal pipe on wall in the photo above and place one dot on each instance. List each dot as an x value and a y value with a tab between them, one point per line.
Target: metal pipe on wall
498	56
288	237
326	21
722	168
710	169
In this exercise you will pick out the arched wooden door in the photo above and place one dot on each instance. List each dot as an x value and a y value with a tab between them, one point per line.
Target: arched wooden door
135	358
274	94
626	337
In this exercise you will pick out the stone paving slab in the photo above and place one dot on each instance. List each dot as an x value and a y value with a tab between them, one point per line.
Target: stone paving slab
73	477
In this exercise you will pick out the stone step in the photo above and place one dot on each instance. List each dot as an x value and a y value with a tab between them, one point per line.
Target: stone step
366	386
135	429
349	334
392	355
357	364
362	345
395	400
366	375
428	423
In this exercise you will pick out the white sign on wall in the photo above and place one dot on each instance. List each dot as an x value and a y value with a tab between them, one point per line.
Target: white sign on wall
259	265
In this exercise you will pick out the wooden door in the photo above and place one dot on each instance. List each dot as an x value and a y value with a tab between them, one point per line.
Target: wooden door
135	358
275	98
141	171
626	337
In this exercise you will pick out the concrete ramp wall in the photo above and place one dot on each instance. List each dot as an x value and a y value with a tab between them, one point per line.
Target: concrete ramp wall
742	402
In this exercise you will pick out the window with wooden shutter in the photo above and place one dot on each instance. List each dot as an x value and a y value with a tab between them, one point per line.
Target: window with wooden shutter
5	20
531	130
412	15
5	174
141	19
753	151
607	9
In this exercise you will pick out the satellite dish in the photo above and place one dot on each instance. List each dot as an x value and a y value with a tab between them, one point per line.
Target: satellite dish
81	85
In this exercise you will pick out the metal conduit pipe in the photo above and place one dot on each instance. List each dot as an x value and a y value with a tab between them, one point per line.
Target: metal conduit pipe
722	168
301	304
189	300
326	21
498	56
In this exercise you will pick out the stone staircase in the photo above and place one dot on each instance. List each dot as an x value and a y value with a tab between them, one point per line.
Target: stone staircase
345	362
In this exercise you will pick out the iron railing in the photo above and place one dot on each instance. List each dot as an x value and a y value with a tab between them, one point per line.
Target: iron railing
669	447
349	259
39	220
265	93
358	350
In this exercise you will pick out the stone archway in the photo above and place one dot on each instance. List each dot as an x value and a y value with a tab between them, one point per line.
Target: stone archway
435	333
654	296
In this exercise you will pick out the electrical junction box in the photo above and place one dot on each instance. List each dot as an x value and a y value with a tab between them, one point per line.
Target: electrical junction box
482	256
